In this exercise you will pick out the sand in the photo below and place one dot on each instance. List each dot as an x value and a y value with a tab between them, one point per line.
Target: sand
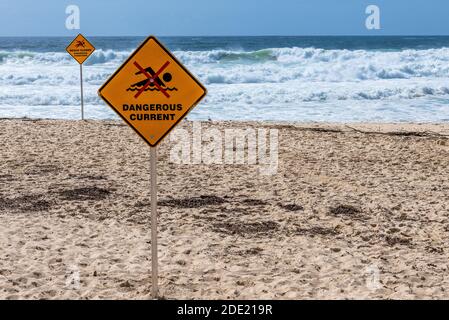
349	215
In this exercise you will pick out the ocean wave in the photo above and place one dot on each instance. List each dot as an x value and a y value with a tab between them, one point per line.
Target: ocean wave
225	56
251	94
309	64
329	93
101	56
276	65
107	57
62	98
60	58
49	76
278	75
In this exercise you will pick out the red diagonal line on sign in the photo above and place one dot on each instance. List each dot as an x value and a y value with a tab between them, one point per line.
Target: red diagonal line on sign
154	77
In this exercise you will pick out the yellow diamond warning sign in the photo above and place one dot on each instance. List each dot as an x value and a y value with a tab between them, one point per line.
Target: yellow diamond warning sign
152	91
80	49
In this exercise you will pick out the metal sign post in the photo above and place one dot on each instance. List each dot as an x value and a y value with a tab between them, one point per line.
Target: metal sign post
82	97
153	80
153	174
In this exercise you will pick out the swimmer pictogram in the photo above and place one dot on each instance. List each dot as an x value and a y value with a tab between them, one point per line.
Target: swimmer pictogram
153	80
80	43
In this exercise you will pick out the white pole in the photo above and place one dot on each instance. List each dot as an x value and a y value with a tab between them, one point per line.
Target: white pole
82	97
153	174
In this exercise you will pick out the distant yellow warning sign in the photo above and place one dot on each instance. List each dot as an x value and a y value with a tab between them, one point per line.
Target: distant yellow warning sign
152	91
80	49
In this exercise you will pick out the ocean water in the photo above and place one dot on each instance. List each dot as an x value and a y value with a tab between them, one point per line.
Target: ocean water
334	79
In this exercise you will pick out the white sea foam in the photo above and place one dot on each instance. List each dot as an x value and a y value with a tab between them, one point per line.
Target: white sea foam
270	84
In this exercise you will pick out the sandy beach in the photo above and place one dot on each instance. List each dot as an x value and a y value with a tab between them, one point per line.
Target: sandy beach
356	211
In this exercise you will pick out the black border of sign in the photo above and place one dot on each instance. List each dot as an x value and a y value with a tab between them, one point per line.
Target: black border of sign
178	62
80	34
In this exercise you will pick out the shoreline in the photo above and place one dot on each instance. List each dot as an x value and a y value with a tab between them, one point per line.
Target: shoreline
368	124
347	215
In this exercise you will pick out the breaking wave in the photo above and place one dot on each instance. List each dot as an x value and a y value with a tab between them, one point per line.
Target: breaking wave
270	65
237	79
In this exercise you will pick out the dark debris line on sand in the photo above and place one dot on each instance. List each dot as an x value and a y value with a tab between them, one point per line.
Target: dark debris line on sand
193	202
243	229
392	133
317	230
401	133
344	209
207	200
291	207
85	193
254	202
39	202
29	203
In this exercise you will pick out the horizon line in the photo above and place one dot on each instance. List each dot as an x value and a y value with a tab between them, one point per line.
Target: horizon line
228	36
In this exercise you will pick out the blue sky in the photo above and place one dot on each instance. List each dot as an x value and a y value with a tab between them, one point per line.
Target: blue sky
224	17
